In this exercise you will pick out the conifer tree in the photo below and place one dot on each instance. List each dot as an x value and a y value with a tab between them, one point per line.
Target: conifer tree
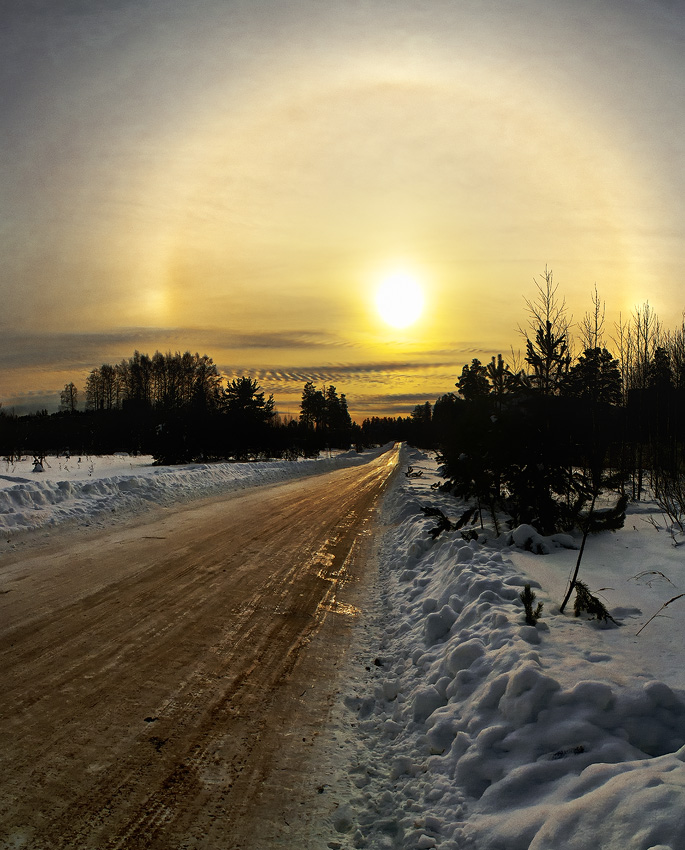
473	382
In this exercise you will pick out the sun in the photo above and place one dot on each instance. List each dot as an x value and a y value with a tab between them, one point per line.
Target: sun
399	299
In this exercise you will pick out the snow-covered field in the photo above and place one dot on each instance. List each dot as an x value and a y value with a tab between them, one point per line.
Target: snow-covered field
88	490
470	729
460	726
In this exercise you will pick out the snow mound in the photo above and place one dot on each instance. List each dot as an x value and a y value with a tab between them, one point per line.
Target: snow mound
528	538
471	735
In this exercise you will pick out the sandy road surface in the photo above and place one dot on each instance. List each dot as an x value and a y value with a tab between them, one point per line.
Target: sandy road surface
162	683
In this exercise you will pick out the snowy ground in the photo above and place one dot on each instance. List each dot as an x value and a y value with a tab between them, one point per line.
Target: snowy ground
89	489
460	726
470	729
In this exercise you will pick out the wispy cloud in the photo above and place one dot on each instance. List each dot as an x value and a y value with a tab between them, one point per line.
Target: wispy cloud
336	373
87	350
64	350
393	404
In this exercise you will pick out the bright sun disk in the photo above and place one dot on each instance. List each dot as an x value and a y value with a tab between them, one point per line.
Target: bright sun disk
399	300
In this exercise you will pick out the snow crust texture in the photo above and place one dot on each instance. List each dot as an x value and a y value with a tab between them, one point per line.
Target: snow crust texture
469	733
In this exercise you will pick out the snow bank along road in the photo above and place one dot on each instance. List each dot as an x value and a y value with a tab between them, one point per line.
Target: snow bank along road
161	680
462	727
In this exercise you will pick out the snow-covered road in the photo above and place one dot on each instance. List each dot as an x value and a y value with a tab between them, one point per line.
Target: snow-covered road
162	678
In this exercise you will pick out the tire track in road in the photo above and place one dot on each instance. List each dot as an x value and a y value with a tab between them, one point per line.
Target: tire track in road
279	652
152	707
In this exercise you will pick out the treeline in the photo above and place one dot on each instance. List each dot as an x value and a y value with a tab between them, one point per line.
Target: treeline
542	440
178	408
379	430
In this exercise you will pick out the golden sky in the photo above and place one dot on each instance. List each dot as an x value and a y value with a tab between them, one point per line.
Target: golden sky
237	177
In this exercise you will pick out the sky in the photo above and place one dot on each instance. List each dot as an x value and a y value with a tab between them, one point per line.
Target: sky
238	177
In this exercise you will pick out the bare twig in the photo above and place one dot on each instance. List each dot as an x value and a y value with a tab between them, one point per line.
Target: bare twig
675	542
652	521
665	605
656	573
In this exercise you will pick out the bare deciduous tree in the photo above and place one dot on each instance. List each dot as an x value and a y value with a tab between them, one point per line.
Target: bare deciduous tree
68	398
592	324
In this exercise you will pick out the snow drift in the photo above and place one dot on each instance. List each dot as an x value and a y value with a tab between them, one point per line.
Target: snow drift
87	488
475	730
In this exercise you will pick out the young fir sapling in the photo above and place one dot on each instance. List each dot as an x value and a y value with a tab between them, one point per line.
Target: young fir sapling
587	601
527	596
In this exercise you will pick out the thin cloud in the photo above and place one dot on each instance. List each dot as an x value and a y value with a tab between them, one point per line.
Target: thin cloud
63	351
329	373
88	350
398	404
278	340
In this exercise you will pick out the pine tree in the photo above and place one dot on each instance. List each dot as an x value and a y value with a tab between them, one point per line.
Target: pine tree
596	377
549	358
547	352
312	407
473	382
